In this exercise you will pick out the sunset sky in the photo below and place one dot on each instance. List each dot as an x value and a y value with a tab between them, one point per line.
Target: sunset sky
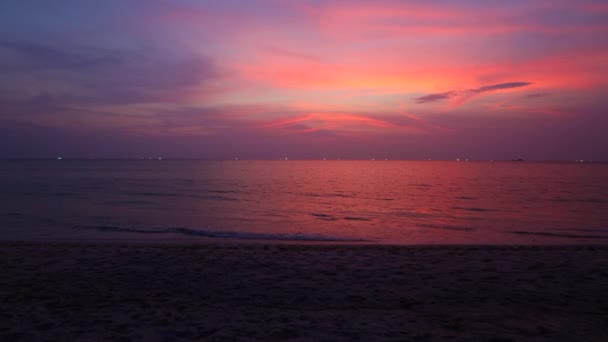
304	79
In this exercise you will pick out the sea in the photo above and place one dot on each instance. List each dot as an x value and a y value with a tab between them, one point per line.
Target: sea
290	201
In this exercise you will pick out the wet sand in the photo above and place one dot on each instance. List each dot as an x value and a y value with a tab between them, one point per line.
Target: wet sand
225	292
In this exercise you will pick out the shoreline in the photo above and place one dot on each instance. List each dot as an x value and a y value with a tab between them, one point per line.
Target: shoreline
242	291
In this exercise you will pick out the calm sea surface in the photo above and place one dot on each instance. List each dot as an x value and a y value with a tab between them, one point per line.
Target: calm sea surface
402	202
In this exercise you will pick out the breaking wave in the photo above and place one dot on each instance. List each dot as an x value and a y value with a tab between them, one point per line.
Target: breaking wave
574	236
227	234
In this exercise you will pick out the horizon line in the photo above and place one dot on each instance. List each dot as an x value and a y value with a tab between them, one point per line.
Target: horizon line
296	159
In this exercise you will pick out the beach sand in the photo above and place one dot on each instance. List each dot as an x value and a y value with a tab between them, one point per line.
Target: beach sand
225	292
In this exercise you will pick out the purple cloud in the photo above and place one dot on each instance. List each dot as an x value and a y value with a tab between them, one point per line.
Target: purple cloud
41	56
76	75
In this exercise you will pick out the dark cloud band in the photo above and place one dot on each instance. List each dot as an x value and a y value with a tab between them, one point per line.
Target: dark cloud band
453	93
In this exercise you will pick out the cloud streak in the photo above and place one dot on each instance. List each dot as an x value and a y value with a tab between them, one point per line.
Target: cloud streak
436	97
459	93
500	86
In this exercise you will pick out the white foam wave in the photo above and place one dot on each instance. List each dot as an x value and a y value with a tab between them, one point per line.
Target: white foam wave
227	234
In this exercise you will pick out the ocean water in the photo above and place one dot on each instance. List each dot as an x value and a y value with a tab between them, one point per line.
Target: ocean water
386	202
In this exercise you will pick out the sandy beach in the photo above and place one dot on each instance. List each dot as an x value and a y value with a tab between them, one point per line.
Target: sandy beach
144	292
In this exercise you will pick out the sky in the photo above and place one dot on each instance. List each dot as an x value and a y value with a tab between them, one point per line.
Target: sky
253	79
